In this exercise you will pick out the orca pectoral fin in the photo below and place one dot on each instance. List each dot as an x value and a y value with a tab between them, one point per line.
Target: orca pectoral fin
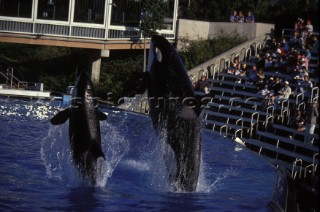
60	117
102	116
137	85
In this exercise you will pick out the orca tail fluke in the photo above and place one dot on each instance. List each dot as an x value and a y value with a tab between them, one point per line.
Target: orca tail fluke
60	117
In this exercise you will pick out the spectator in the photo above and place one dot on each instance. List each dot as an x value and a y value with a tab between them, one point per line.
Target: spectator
285	45
309	40
298	26
282	65
232	68
236	60
261	61
253	75
276	87
298	121
298	76
260	79
202	84
303	72
272	45
240	17
295	41
270	83
249	18
312	116
233	17
309	26
304	60
269	63
279	50
244	68
292	56
241	71
315	44
283	94
306	85
238	69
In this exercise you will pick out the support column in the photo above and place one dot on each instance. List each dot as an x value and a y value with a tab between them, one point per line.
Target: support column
94	58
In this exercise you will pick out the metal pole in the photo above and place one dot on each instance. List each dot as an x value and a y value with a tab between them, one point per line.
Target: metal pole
18	12
144	53
11	77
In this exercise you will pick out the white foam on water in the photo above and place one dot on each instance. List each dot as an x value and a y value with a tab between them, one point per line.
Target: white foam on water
57	157
137	165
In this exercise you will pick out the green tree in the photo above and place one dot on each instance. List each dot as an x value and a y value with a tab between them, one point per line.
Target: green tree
195	52
153	14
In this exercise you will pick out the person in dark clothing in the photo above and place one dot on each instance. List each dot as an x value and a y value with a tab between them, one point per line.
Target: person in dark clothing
202	84
298	121
312	116
277	86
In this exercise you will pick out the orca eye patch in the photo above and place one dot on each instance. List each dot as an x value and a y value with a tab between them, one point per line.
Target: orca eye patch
159	55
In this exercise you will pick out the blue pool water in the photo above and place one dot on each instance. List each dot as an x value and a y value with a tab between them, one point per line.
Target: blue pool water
37	174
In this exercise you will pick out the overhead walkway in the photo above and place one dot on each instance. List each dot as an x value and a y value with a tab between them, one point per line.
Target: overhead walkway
94	24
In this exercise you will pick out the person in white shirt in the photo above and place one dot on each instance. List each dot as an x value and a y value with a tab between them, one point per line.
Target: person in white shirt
283	94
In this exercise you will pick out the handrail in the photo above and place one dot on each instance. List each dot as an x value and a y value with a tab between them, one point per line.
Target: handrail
315	89
258	45
231	100
252	123
294	172
241	129
300	105
224	63
144	105
248	56
269	116
226	131
314	161
12	77
306	170
215	68
230	54
241	55
5	77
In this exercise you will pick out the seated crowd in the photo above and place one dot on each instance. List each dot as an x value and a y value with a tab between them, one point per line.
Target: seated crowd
283	69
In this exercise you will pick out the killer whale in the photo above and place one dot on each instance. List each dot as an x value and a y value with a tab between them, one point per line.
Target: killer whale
174	112
84	127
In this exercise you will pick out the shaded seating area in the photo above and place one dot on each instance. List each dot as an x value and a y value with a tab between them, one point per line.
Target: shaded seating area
240	109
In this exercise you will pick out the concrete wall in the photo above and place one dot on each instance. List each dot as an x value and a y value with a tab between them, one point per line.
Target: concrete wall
257	33
207	30
217	64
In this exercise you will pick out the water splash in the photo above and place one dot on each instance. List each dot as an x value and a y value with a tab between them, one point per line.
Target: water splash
57	157
39	109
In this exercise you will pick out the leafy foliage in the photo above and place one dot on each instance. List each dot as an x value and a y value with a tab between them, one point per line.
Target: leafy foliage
116	71
153	14
198	51
282	13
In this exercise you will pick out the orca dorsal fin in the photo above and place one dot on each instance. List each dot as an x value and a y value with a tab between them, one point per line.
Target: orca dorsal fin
60	117
102	116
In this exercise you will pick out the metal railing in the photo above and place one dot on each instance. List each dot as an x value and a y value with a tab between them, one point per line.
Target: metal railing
14	82
73	28
246	50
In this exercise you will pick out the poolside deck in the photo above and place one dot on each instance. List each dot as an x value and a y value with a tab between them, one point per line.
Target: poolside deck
25	93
